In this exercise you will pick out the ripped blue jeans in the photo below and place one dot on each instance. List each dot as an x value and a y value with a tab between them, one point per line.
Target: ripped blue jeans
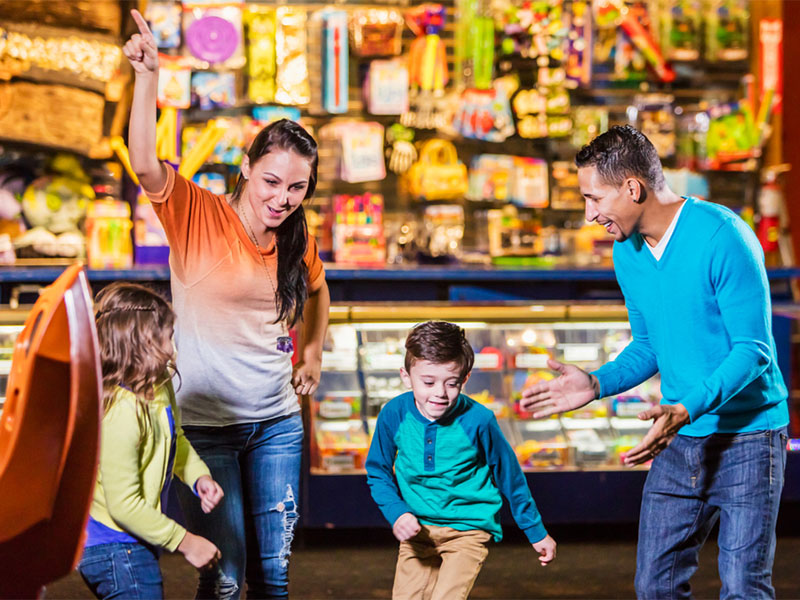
258	467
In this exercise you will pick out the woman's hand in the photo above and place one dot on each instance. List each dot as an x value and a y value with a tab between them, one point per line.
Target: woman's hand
141	50
305	377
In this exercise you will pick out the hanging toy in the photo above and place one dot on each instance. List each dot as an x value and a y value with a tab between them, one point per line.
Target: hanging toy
403	154
474	46
427	70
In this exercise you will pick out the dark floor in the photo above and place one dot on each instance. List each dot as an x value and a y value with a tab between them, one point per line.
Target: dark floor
592	563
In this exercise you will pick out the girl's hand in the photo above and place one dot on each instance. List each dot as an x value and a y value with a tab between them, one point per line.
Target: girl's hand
141	50
198	551
305	377
406	527
209	491
546	549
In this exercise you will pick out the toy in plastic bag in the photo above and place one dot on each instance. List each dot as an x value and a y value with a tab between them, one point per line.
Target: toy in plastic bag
213	90
291	78
681	30
212	35
485	115
164	19
386	87
108	235
438	174
376	32
727	26
174	82
261	29
362	153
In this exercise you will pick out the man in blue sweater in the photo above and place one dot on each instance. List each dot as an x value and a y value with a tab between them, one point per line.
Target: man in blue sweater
698	302
436	467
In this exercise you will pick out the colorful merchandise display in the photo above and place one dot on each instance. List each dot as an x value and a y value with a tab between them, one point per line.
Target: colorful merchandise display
108	235
531	83
357	231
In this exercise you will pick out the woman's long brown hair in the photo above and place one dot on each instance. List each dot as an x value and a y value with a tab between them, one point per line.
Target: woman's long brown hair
134	327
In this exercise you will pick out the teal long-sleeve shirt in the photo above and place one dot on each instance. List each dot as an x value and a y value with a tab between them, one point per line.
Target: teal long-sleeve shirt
449	472
702	317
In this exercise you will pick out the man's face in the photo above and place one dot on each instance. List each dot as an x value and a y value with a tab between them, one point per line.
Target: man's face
436	386
611	206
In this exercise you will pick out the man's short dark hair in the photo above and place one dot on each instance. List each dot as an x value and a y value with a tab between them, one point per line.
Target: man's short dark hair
439	342
623	152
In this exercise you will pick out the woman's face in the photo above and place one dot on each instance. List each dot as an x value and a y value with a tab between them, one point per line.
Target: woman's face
276	185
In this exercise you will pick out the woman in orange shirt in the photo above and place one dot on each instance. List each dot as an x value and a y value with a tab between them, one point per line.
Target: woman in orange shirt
243	272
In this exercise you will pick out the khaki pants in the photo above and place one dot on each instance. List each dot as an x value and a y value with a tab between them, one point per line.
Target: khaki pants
439	563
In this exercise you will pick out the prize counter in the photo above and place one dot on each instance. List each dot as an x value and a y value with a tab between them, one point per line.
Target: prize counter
514	318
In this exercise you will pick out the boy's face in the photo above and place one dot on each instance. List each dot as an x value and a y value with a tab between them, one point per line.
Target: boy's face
435	386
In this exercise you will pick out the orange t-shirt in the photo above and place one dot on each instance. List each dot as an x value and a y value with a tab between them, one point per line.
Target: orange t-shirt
231	370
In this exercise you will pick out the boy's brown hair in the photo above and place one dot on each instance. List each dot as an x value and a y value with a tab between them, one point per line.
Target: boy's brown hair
134	328
439	342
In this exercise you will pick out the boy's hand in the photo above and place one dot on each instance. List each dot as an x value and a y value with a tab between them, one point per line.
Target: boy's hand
546	549
200	553
141	50
209	492
405	527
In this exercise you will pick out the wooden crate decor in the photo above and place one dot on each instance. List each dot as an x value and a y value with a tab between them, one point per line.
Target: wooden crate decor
51	115
97	15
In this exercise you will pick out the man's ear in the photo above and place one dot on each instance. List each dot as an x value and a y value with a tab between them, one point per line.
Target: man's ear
636	190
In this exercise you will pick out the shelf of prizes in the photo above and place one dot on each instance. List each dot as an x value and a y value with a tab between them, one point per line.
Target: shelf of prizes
446	131
362	357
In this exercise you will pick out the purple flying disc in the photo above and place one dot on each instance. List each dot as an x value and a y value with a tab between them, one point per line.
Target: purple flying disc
212	39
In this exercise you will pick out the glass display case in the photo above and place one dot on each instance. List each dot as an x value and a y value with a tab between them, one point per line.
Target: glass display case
11	324
364	351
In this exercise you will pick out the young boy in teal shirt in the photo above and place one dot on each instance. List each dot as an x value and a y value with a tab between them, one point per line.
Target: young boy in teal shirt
437	466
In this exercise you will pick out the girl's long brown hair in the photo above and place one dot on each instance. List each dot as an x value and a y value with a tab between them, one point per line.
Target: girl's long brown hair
134	327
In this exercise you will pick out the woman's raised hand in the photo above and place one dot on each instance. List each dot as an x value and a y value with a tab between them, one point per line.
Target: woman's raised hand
141	49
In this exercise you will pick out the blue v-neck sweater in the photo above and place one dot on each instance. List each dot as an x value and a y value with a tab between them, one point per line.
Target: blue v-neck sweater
702	317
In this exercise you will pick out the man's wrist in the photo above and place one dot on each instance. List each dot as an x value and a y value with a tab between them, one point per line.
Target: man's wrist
595	385
682	412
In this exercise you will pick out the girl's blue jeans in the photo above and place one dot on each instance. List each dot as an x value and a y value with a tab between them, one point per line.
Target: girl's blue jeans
258	467
122	570
735	479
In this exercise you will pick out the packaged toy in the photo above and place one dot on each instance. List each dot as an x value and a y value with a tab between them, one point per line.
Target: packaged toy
212	90
291	78
437	174
108	235
376	32
174	82
260	27
362	152
727	30
212	34
386	87
164	19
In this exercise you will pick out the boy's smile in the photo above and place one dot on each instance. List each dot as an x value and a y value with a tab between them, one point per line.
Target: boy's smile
436	386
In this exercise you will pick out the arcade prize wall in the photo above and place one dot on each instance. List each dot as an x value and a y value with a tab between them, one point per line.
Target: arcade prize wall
447	134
